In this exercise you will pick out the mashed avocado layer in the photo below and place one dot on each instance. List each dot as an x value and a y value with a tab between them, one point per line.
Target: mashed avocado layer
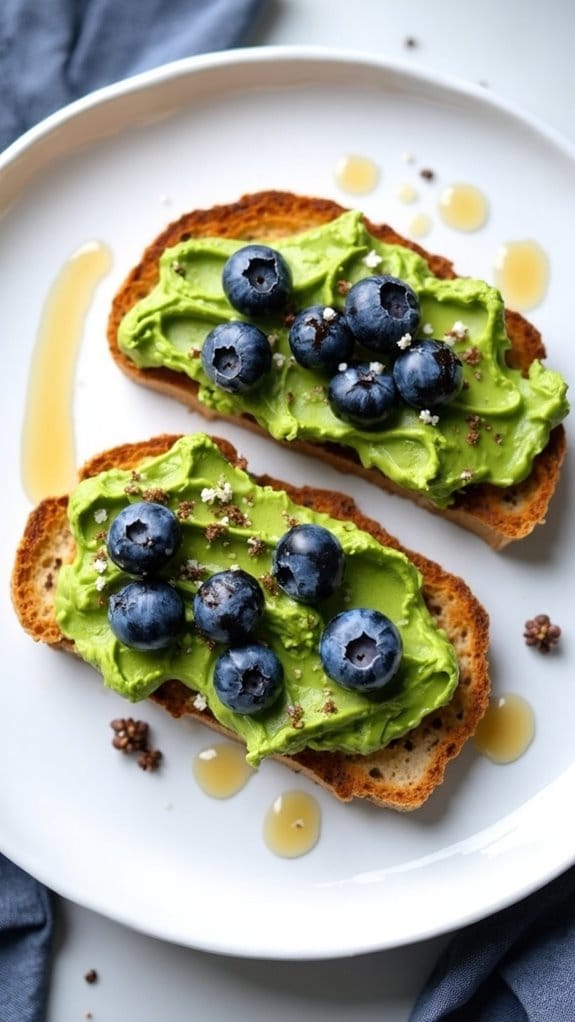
491	433
228	520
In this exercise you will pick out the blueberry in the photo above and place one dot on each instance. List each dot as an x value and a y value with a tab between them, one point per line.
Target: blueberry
248	679
320	338
228	606
236	356
308	563
146	615
380	310
428	374
361	649
257	280
143	538
363	395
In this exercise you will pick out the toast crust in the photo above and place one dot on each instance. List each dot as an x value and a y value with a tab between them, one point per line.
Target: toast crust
497	515
400	776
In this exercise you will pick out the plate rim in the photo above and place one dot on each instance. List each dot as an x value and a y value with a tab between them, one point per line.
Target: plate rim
228	60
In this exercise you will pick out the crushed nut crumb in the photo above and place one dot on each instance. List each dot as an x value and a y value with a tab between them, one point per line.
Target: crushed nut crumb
472	356
185	508
427	174
130	735
541	633
155	494
234	516
329	706
191	571
150	760
91	976
295	714
256	546
343	287
215	531
269	583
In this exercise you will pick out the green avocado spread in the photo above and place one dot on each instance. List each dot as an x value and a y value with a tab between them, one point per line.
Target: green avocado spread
490	433
227	520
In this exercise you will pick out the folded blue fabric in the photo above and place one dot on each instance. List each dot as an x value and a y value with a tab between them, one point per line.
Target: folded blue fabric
26	928
515	966
54	51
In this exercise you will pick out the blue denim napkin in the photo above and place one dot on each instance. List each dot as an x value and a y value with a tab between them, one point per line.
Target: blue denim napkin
26	927
516	966
54	51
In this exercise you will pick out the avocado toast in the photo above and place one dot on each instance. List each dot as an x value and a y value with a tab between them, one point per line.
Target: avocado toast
408	767
504	427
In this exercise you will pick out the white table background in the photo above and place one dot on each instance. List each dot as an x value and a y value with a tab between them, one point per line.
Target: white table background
523	52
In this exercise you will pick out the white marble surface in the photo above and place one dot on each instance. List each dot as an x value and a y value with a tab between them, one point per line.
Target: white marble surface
523	53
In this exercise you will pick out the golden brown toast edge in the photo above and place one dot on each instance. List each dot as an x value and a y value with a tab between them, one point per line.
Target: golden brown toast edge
400	776
498	515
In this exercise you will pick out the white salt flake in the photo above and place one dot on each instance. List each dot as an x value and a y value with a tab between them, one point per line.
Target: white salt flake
100	565
427	329
200	702
100	583
404	342
372	260
427	418
222	493
278	359
101	515
376	367
329	314
272	340
466	475
459	329
342	367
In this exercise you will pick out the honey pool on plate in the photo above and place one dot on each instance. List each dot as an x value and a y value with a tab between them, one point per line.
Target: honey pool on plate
507	729
48	448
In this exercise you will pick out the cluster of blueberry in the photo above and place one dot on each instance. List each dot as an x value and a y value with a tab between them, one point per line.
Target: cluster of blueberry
360	649
381	314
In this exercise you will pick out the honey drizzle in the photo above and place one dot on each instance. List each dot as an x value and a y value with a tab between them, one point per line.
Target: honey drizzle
48	462
221	770
357	175
522	274
463	207
292	824
507	729
419	225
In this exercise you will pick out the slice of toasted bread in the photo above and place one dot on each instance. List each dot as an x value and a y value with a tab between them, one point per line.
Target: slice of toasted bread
403	774
497	515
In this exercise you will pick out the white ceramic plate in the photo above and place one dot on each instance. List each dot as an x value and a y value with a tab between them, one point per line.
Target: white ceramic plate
152	850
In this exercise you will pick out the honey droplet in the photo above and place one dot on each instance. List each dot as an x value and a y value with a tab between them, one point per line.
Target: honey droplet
357	175
463	207
419	225
506	730
292	824
221	769
406	193
522	274
48	453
